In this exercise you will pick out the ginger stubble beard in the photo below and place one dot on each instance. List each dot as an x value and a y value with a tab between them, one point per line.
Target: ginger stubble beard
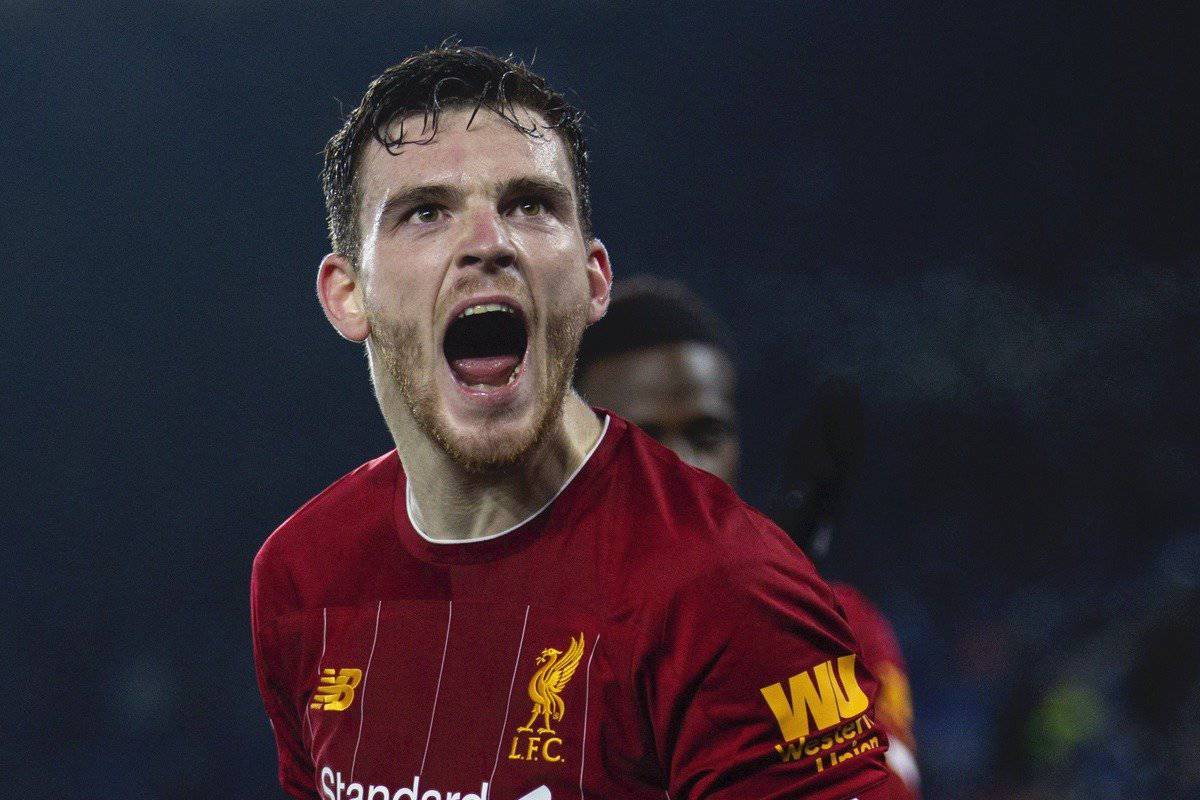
403	357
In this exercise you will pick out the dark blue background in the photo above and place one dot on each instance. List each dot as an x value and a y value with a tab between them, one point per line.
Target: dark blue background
987	218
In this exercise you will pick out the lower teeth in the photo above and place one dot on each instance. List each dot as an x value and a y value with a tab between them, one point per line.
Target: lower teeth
483	387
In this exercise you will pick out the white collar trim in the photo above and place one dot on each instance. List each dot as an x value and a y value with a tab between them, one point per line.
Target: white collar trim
410	502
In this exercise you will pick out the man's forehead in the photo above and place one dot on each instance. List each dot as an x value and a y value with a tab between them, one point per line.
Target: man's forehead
469	146
693	364
664	375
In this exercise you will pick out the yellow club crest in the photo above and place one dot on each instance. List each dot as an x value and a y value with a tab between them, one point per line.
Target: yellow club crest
555	669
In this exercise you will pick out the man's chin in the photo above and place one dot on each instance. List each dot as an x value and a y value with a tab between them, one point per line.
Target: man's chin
490	447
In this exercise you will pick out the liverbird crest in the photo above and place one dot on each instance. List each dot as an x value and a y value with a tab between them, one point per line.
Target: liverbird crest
555	669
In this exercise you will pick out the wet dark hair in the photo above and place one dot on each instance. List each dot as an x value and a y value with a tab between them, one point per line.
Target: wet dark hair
645	312
450	76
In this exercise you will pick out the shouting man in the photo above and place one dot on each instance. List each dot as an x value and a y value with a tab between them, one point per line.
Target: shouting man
527	598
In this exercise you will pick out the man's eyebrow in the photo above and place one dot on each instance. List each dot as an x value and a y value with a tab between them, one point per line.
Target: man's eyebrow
538	187
410	197
413	196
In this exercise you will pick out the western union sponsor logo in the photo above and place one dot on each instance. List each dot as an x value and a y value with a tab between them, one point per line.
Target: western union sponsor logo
837	739
820	694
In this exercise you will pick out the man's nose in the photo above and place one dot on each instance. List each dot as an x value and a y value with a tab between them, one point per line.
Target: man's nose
486	243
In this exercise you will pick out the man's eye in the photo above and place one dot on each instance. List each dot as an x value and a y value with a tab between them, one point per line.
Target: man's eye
708	435
530	208
705	442
425	214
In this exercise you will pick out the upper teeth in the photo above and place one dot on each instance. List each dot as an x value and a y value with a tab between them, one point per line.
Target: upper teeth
483	308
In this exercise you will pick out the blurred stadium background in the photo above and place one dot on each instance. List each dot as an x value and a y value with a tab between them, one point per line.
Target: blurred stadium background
986	218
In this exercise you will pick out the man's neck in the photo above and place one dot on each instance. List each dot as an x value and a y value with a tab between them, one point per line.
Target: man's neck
448	503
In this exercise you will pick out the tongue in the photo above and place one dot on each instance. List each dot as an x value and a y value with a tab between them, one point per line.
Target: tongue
486	370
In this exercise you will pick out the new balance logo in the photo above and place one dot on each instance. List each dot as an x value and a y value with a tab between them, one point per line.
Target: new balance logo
336	690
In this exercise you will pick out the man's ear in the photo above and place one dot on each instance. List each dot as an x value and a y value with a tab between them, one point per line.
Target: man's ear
600	279
338	290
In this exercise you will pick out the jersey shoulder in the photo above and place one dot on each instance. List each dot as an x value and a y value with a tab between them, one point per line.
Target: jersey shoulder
353	506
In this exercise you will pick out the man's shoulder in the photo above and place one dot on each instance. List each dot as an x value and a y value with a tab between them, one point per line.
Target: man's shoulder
853	600
354	502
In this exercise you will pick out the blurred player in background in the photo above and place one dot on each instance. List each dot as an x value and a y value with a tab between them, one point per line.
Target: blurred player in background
664	361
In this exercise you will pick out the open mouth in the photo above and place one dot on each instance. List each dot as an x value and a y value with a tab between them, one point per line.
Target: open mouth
485	345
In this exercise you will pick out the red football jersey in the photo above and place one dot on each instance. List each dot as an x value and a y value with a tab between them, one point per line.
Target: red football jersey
646	632
880	651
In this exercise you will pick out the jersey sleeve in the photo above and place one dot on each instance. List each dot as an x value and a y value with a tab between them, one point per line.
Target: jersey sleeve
883	656
895	696
757	690
296	772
